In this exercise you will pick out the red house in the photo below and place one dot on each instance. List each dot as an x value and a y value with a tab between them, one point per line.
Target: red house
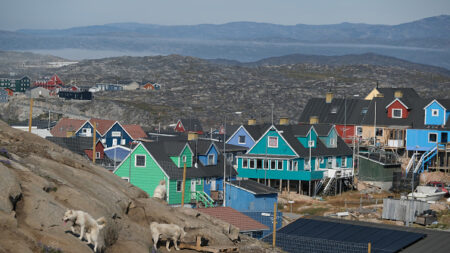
99	151
189	125
49	83
397	109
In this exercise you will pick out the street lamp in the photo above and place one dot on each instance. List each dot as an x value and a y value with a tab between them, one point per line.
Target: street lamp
225	157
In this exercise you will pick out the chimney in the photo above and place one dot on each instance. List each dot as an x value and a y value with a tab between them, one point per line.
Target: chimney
192	136
329	97
313	120
398	94
284	121
252	122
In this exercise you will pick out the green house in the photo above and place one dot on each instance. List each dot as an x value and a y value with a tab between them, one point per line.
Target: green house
149	163
17	85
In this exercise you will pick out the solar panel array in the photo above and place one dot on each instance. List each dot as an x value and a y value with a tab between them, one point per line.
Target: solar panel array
381	239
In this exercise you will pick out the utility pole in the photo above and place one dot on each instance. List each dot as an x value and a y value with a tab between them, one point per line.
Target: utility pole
31	115
224	161
184	185
93	143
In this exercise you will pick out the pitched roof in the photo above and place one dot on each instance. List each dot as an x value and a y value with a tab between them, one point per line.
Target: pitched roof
444	102
254	187
75	144
65	125
235	218
135	131
191	125
103	125
162	151
390	92
339	111
256	131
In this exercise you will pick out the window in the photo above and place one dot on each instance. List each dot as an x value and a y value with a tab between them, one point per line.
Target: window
379	131
241	139
359	131
179	185
334	110
344	162
396	113
211	159
259	163
103	140
97	155
122	142
280	165
116	134
330	162
252	163
310	144
266	164
432	137
307	164
273	142
273	164
184	159
244	163
288	166
198	181
295	166
139	160
333	142
321	160
435	112
126	179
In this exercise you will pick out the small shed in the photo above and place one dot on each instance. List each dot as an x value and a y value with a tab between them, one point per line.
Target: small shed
378	169
249	195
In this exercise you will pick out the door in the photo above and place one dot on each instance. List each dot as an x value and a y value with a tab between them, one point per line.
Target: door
193	188
444	137
213	184
114	143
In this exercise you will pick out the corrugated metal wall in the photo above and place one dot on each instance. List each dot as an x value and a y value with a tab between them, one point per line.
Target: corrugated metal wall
403	209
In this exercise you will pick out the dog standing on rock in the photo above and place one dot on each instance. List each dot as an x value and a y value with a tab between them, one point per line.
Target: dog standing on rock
87	224
166	232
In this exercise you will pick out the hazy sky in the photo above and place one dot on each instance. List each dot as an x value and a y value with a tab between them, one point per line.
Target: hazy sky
42	14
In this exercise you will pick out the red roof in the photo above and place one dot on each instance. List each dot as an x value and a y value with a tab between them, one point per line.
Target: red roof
65	125
103	125
135	131
236	218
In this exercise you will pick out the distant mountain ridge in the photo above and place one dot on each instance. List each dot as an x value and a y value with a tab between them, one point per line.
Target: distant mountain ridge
425	41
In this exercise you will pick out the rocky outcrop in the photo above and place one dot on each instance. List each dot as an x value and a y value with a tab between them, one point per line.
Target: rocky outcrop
39	181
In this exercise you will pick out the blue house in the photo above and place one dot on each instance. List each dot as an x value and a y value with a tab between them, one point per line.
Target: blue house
297	157
86	130
246	135
436	113
249	195
117	153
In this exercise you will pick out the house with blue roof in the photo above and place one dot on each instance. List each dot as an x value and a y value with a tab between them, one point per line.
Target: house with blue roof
304	158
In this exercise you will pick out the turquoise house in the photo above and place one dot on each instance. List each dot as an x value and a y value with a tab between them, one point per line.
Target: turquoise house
296	157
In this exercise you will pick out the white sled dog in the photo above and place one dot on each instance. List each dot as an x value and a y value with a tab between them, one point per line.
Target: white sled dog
166	232
87	224
160	190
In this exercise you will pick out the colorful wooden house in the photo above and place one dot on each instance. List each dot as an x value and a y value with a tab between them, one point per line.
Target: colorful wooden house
189	125
68	127
297	157
81	145
246	135
50	83
149	163
15	84
345	114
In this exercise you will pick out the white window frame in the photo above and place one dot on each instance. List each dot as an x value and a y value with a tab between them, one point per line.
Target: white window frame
343	162
135	161
103	140
266	164
357	131
311	144
280	167
97	155
122	142
239	139
433	111
329	161
126	179
184	159
198	181
213	158
181	185
250	162
246	165
288	165
429	134
333	142
268	142
262	164
274	167
321	160
116	134
397	117
307	164
294	165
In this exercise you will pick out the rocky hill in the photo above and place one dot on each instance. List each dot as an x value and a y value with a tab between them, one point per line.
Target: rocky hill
193	87
39	181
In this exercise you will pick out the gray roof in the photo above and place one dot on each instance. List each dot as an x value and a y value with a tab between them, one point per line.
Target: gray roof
256	131
191	124
159	151
255	187
75	144
339	111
